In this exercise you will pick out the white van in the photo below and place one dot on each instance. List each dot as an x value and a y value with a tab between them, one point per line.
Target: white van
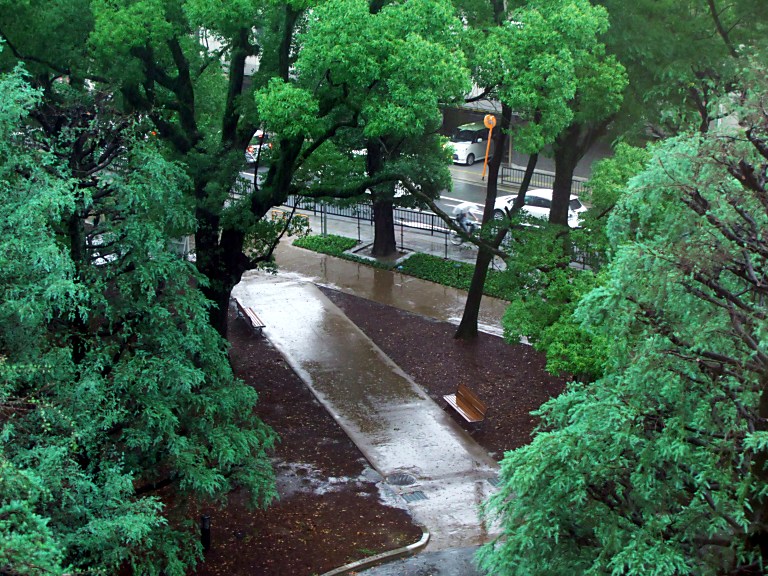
469	142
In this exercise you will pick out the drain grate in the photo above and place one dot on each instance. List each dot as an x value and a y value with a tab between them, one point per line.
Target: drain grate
494	481
414	496
401	479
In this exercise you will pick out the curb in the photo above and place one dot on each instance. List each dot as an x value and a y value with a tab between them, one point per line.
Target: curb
396	554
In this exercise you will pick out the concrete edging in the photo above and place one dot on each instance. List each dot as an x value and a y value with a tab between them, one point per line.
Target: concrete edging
371	561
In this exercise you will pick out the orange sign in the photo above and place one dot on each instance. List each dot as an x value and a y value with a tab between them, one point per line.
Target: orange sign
490	122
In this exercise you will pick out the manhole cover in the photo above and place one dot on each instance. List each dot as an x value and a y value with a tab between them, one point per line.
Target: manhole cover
400	479
494	481
414	496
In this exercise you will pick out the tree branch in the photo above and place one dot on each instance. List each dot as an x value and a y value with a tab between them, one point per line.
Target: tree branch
721	31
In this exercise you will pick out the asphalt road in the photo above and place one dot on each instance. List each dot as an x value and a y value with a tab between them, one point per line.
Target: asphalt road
469	184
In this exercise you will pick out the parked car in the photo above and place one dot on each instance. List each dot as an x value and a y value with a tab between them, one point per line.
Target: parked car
537	204
469	143
257	143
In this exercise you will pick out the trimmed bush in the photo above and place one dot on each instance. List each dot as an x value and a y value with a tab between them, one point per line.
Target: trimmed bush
329	244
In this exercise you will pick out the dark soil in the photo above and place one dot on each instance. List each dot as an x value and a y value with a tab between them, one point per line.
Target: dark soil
330	511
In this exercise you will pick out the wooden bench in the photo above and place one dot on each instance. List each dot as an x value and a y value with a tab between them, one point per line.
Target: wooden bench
469	406
247	314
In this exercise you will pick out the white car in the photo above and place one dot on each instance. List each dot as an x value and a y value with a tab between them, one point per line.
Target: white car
469	143
537	204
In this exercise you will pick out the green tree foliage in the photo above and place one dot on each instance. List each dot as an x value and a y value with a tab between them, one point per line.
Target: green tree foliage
546	292
548	288
658	468
682	57
182	66
117	402
547	63
372	80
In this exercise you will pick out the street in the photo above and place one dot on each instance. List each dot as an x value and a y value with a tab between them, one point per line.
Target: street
469	184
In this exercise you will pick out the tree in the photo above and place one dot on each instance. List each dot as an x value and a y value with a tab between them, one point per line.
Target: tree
542	61
681	58
659	466
379	74
207	114
547	288
29	546
117	402
600	85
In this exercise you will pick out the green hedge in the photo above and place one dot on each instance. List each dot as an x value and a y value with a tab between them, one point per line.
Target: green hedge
329	244
425	266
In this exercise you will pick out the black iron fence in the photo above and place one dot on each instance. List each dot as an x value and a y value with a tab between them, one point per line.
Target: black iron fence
427	222
513	176
420	221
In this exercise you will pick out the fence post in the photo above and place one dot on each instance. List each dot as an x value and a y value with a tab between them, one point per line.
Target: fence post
323	220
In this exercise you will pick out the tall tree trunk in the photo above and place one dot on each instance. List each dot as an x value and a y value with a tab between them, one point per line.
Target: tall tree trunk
468	326
219	250
241	49
467	329
384	243
78	327
567	156
570	147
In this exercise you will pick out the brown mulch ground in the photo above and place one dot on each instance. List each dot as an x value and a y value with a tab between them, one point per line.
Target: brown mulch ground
330	512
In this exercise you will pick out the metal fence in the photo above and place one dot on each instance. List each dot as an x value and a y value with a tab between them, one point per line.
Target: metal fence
427	222
417	220
513	176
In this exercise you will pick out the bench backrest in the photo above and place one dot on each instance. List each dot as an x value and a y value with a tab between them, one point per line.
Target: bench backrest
240	307
465	395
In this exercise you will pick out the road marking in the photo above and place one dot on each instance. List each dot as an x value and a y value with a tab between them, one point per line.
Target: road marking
457	201
454	199
465	170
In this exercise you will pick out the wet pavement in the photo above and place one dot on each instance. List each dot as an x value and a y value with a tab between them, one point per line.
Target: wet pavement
453	562
425	458
390	287
387	287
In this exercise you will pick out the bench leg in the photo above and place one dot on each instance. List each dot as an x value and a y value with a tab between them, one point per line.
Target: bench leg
475	426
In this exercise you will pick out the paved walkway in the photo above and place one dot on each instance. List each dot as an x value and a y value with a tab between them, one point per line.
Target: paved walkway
422	453
430	462
453	562
391	288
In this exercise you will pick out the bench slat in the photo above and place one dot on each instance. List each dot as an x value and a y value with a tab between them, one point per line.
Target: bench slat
470	412
466	398
255	320
248	314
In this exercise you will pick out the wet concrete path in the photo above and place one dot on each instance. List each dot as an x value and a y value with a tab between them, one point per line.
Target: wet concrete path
428	460
392	288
